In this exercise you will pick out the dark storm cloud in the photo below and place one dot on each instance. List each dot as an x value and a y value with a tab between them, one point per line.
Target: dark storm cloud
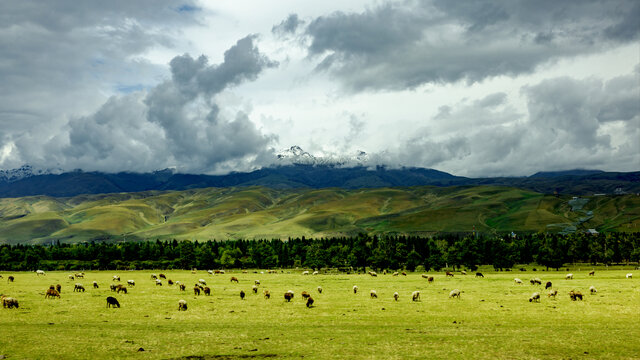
407	44
177	123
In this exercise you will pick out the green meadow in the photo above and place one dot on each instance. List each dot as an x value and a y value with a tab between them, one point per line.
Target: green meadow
263	213
493	318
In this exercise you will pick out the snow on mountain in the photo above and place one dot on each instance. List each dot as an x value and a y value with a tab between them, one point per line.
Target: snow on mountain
23	172
296	155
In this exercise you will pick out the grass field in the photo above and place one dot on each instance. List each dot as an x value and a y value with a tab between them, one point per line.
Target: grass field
493	319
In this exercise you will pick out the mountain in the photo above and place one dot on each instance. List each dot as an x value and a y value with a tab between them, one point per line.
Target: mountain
296	168
251	212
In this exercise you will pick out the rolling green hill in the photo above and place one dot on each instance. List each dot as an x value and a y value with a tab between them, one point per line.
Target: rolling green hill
258	212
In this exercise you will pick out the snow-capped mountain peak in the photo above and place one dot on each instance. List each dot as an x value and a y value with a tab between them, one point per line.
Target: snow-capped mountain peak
296	155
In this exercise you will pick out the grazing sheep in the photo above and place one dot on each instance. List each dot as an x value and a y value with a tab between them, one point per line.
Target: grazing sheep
95	285
58	288
241	294
182	287
552	293
170	282
113	287
78	287
305	294
404	273
535	297
319	289
547	285
479	274
629	276
306	272
254	288
535	281
415	296
517	281
9	302
288	296
234	279
158	282
592	273
10	278
309	301
131	282
196	290
163	276
463	272
201	281
121	289
396	273
207	291
569	277
425	276
111	301
316	272
80	275
430	279
396	296
575	295
256	282
40	272
71	277
449	273
355	289
51	292
116	278
373	294
182	305
373	273
454	293
267	294
210	272
154	277
592	289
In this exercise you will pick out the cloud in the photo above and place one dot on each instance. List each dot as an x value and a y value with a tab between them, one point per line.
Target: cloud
287	26
176	123
403	45
569	123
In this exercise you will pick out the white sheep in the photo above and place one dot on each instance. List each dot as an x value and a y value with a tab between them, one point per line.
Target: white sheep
319	289
158	282
517	281
257	282
629	275
116	278
131	282
454	293
415	296
535	297
396	296
373	294
569	277
202	281
552	293
306	272
355	289
210	272
40	272
592	289
182	305
316	272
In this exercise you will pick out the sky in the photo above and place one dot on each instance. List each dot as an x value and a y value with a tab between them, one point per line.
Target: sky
471	87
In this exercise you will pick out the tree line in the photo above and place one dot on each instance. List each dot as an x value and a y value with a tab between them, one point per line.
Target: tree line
358	252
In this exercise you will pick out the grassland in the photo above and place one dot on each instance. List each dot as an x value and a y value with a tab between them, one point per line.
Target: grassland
492	320
258	212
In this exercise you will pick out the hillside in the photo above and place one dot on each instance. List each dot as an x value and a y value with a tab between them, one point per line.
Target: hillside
259	212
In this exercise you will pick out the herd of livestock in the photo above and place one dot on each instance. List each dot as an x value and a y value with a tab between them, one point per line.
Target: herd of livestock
53	291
